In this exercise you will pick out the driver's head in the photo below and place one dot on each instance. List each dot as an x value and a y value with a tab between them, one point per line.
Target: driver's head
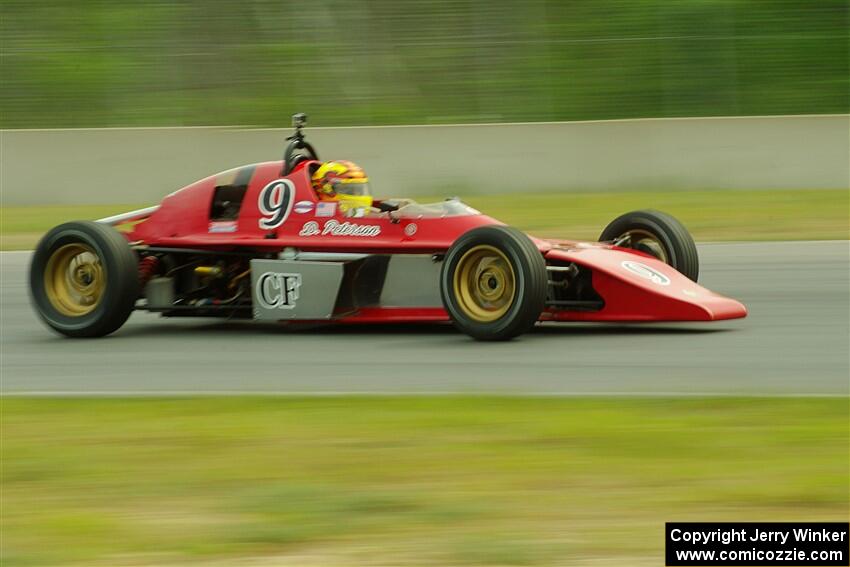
345	182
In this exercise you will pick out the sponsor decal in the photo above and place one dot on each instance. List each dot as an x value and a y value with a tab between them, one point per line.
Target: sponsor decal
325	209
303	207
646	272
411	229
275	290
336	228
275	203
222	226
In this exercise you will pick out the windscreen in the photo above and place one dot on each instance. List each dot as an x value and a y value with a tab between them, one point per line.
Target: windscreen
357	189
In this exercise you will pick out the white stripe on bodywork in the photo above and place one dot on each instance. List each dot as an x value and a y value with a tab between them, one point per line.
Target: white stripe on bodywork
138	214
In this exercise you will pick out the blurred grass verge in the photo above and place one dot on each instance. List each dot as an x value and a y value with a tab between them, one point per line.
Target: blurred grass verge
414	481
710	215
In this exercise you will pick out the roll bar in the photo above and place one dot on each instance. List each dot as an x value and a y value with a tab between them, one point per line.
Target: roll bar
297	142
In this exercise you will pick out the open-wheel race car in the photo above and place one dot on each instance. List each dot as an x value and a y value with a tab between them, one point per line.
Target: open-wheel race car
258	242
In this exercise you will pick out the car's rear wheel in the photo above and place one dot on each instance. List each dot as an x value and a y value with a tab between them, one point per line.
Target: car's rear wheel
493	283
657	234
84	279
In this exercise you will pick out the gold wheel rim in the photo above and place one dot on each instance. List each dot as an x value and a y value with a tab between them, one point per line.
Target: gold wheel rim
644	241
74	279
484	283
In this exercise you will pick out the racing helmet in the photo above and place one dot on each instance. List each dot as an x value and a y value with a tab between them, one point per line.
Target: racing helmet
344	182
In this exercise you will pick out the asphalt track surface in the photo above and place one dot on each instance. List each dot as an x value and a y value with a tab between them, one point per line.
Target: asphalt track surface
794	342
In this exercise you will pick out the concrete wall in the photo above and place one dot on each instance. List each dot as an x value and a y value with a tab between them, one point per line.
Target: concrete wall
140	165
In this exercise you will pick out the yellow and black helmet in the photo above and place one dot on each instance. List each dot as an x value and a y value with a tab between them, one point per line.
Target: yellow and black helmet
345	182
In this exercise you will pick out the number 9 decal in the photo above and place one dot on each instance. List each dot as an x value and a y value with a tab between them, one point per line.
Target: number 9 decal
275	203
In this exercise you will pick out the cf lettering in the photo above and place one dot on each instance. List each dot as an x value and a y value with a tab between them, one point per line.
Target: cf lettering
278	291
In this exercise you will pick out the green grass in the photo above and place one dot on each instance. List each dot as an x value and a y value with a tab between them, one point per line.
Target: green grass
709	215
414	481
21	227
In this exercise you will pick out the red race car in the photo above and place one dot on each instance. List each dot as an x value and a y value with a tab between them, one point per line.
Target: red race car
259	242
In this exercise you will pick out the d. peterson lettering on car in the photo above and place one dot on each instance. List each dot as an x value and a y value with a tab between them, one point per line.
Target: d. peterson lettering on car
336	228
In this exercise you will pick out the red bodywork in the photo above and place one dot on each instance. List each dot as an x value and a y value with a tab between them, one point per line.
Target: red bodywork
183	221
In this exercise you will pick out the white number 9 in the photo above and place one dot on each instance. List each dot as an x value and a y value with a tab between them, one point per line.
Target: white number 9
275	203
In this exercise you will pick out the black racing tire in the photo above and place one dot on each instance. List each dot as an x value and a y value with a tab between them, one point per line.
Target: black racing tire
493	283
84	279
660	235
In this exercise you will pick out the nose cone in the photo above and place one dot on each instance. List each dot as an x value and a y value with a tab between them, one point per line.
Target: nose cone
719	308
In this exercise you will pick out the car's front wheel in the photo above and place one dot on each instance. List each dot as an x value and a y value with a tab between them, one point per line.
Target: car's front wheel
657	234
84	279
493	283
